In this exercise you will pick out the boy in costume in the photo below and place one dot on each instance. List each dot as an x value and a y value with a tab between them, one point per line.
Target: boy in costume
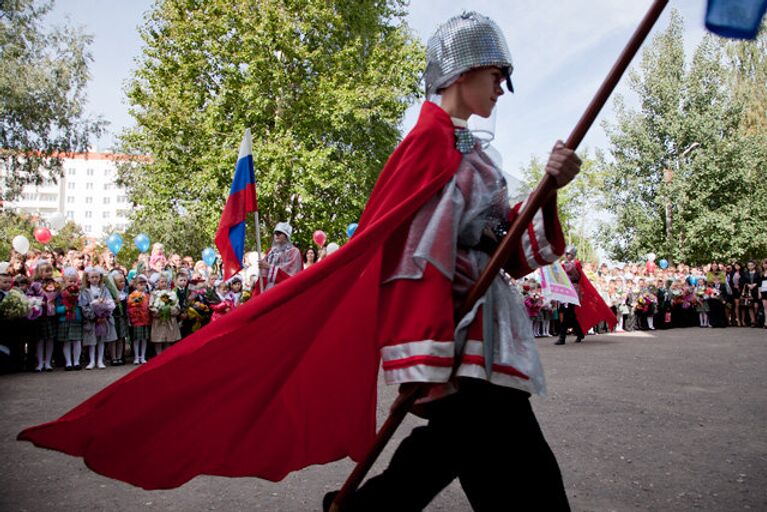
264	408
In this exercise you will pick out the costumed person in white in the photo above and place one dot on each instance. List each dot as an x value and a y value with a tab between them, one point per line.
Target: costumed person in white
282	261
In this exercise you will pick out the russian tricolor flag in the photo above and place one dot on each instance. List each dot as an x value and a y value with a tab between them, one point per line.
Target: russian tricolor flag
230	235
735	18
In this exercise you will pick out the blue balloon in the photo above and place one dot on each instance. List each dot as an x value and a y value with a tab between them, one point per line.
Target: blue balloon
693	280
142	242
663	264
209	256
115	243
350	229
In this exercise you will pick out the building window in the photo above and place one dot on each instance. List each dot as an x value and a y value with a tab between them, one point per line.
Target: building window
71	185
89	200
89	214
105	215
48	197
70	214
71	171
122	199
106	200
107	186
87	228
89	186
89	172
121	213
70	199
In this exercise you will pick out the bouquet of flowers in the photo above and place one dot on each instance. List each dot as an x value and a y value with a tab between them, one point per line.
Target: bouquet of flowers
102	311
163	301
35	307
14	306
712	293
138	308
69	297
199	313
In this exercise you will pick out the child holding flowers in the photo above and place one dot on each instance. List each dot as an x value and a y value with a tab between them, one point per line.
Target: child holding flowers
701	302
165	310
97	306
70	319
119	291
48	322
139	318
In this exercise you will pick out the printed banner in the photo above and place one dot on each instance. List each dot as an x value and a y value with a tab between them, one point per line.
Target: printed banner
557	286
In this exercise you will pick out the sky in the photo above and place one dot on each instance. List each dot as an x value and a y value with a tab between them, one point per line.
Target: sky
562	50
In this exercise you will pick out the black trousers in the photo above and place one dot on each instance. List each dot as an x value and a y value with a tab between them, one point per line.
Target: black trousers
484	435
567	316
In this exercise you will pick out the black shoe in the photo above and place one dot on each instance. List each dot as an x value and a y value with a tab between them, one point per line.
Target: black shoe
327	501
578	340
560	341
68	368
78	367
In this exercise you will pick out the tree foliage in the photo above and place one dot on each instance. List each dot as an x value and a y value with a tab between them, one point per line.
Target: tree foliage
694	148
576	203
323	86
43	75
13	224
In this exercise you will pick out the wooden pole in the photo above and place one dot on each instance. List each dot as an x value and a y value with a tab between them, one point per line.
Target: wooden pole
543	191
258	253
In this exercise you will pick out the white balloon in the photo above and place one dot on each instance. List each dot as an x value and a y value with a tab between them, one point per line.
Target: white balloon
20	244
651	256
332	247
57	220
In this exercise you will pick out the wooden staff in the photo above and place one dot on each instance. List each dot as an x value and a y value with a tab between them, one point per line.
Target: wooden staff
543	191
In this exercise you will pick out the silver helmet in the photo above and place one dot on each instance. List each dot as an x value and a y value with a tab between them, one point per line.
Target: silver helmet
571	249
465	42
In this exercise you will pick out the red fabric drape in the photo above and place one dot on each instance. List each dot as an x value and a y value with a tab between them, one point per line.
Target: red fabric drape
285	381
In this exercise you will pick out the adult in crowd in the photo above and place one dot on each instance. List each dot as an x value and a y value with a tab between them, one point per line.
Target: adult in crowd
283	259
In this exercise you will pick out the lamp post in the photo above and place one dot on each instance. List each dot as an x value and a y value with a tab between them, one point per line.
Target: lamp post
668	176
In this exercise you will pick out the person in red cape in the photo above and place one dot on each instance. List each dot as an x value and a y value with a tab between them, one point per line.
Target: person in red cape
289	379
593	308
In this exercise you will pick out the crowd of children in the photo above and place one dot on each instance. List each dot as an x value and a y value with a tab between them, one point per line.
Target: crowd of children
53	305
90	317
647	297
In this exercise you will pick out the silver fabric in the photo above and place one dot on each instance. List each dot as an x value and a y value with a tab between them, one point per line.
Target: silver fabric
443	233
284	227
464	42
464	140
571	249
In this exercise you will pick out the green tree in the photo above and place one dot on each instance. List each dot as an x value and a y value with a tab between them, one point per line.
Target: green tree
682	179
576	203
323	86
13	224
43	75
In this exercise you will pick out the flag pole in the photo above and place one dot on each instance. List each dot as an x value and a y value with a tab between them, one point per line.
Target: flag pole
543	191
258	252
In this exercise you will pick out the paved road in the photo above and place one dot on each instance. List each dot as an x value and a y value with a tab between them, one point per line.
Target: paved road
659	421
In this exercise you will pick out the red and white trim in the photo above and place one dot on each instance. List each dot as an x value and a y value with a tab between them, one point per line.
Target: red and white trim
418	361
504	374
537	248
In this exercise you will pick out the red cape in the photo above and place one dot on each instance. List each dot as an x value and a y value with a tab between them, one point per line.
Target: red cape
285	381
593	308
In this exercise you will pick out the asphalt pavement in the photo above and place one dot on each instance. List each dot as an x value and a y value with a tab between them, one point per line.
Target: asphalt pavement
661	421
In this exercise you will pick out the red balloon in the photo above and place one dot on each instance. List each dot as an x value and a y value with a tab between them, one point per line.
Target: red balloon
319	237
650	265
42	234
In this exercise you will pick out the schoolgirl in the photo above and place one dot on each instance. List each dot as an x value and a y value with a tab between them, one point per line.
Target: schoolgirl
139	318
98	324
165	310
70	319
119	291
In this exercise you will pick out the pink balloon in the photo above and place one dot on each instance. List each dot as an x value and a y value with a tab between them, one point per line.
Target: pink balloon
42	234
650	265
319	237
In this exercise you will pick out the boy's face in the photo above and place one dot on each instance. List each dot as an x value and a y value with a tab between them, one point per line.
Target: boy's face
70	280
236	286
140	285
5	282
182	281
480	89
